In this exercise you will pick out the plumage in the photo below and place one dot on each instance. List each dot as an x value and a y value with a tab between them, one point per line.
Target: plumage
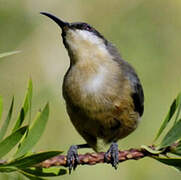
103	94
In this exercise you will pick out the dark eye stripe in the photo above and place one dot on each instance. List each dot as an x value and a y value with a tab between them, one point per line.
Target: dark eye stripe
83	26
87	27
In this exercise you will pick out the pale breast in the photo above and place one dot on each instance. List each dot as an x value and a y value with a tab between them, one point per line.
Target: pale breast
94	88
95	83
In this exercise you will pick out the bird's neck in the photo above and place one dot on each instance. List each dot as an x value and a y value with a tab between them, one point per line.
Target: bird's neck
83	47
85	53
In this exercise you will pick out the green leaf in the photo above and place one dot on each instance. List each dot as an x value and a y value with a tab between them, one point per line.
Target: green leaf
2	55
7	121
34	133
33	159
176	149
7	169
8	143
1	106
178	102
167	119
178	168
150	150
169	161
173	135
26	106
55	170
46	172
30	176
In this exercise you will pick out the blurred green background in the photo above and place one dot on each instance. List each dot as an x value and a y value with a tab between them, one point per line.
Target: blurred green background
148	35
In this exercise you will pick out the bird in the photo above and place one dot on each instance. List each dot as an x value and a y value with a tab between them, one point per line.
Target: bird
103	94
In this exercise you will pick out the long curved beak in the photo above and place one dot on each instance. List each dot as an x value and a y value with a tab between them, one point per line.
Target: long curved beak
61	23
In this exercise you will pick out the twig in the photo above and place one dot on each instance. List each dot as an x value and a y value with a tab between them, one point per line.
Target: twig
94	158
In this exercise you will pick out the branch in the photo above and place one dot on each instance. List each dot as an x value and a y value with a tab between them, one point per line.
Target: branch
94	158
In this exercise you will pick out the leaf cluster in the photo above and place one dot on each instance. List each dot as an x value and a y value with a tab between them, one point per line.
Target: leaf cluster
168	149
22	138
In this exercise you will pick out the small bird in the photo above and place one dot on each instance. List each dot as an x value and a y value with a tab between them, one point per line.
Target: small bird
103	94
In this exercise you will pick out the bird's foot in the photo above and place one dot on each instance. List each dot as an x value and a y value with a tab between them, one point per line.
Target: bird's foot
112	155
72	158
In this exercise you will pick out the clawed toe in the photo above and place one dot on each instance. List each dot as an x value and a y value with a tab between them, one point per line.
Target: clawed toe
113	152
72	158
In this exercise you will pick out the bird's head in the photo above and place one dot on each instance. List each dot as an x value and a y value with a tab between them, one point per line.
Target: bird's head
79	36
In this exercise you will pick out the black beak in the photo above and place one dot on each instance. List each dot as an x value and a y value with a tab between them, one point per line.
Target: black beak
61	23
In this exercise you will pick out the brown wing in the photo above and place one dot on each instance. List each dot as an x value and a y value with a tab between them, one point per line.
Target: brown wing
137	90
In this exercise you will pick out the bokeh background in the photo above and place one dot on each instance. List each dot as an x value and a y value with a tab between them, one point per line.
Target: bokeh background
148	35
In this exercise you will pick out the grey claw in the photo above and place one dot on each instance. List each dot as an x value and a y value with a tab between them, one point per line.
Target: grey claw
72	158
113	152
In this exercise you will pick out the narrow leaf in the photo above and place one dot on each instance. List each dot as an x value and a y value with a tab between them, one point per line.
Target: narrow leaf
177	149
7	121
169	161
173	135
2	55
170	114
178	102
30	176
8	143
33	159
26	106
178	168
150	150
7	169
34	133
54	171
1	106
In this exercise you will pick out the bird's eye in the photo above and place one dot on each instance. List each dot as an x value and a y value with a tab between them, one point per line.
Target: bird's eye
87	27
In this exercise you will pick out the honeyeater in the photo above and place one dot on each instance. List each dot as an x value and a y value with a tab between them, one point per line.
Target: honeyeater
103	94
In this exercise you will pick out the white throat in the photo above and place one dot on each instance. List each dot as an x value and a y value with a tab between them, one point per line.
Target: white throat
75	36
85	45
